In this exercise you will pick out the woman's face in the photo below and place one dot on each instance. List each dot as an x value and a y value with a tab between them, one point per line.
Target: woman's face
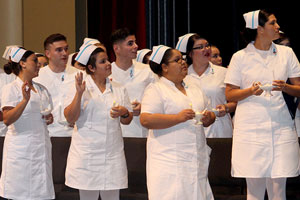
103	67
215	57
201	51
271	29
42	61
176	67
31	66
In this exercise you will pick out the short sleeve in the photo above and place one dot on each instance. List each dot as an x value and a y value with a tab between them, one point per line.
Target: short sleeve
10	96
152	101
293	65
233	75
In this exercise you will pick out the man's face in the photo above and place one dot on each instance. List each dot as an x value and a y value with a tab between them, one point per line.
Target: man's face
58	53
127	48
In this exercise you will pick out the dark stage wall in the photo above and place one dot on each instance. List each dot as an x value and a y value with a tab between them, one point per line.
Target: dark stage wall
162	22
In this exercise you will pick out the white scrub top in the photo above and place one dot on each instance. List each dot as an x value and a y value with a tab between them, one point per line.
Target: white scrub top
58	85
135	80
177	157
27	163
265	143
212	84
4	79
96	159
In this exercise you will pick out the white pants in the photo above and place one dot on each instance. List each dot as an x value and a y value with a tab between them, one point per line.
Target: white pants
256	188
94	194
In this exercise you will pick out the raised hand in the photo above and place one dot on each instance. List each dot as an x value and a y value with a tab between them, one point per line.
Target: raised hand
26	91
79	83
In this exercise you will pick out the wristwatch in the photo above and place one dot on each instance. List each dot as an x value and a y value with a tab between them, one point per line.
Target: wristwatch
126	115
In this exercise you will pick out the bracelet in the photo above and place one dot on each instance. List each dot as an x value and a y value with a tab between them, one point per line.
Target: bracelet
226	108
126	115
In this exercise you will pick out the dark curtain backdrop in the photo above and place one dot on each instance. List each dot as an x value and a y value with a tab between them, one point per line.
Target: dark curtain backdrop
106	16
163	21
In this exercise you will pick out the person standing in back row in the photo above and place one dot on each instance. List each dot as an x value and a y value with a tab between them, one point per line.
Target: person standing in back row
134	76
57	76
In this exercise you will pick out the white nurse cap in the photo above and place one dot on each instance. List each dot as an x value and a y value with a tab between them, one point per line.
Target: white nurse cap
6	53
141	54
88	41
85	53
251	19
16	54
182	42
158	53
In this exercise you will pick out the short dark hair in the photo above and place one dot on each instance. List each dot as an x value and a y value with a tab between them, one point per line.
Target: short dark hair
92	60
120	35
157	68
248	34
53	38
13	67
190	45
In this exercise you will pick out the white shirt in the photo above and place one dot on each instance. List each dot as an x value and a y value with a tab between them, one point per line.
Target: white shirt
212	84
177	157
27	161
265	143
58	85
96	159
135	80
4	79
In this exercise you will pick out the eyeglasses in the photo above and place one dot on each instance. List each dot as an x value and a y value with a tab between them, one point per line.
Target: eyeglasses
207	45
179	60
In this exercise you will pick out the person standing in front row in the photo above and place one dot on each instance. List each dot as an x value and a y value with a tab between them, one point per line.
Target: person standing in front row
177	153
265	147
57	76
210	78
27	165
96	161
134	76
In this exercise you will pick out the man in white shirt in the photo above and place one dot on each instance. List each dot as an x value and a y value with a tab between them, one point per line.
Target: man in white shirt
57	77
134	76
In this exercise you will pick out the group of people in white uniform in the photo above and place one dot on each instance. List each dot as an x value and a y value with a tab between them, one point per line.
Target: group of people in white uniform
175	102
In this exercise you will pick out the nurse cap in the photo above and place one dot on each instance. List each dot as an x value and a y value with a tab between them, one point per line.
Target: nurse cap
182	42
6	53
88	41
16	53
158	53
251	19
85	53
141	54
